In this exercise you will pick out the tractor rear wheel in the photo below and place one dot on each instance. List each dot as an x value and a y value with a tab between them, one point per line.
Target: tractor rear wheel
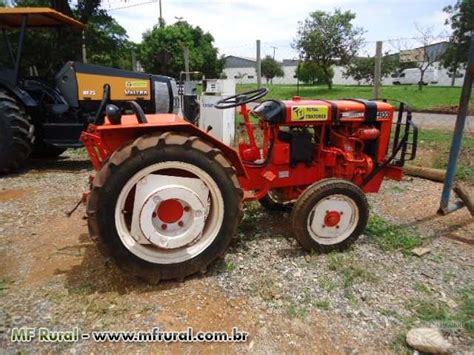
165	206
16	133
330	215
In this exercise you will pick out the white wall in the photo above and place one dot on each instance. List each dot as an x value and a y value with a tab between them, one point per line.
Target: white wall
234	73
289	78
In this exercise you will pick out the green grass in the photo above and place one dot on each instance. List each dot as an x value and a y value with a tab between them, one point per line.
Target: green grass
429	310
436	136
436	143
3	285
230	266
430	98
391	237
448	319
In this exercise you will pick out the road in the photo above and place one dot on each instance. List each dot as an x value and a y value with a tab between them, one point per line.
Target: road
440	121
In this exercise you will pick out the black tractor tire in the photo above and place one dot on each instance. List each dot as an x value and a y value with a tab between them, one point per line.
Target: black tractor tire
270	203
133	157
315	193
42	150
16	133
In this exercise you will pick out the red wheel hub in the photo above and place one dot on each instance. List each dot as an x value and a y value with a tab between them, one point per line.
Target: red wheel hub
332	218
170	211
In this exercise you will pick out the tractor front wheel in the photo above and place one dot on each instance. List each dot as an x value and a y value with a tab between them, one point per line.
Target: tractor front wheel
165	206
330	215
16	133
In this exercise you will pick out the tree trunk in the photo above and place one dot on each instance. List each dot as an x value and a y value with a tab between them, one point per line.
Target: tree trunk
420	83
454	71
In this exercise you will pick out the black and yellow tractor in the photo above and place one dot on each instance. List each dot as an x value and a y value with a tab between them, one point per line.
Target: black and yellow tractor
44	119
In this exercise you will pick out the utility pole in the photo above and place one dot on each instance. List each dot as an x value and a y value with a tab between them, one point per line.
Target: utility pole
186	62
84	52
161	22
377	69
134	61
259	66
274	49
445	205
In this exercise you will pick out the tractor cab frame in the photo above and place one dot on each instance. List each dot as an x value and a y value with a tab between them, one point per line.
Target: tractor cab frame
22	19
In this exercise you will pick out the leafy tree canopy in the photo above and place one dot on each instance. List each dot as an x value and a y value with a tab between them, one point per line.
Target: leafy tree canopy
312	73
362	69
162	50
271	68
328	39
461	20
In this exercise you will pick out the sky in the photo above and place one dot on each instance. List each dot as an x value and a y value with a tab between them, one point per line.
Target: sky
236	24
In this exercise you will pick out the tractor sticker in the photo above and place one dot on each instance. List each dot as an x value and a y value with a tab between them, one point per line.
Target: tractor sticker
309	113
136	84
88	92
352	114
130	92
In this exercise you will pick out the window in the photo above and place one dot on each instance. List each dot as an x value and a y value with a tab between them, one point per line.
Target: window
237	77
295	76
395	75
402	75
458	75
250	77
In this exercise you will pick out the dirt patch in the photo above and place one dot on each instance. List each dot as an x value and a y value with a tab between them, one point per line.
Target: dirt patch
8	195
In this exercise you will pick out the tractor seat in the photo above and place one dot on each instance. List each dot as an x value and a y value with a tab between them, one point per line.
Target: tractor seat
272	111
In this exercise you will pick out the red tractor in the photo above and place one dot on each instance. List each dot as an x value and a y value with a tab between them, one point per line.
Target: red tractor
167	197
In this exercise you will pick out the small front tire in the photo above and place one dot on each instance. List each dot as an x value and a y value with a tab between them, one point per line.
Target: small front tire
330	215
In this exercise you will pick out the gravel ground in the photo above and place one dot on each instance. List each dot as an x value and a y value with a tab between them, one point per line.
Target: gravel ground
359	301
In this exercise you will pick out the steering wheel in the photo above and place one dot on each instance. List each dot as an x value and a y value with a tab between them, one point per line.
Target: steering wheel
240	99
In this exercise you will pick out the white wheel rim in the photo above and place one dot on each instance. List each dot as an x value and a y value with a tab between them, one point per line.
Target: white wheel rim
333	219
181	240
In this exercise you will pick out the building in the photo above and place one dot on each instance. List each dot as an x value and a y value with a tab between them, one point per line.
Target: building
243	70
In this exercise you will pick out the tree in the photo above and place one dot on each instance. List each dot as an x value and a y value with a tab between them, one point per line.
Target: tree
107	42
328	39
362	69
162	50
312	73
426	55
271	68
461	20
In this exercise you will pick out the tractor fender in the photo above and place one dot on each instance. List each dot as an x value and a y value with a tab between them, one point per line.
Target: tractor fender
23	96
113	137
230	153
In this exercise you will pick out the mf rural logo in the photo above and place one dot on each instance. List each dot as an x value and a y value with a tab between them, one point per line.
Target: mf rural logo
309	113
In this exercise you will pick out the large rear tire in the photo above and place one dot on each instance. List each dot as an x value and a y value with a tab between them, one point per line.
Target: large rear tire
126	208
16	133
330	215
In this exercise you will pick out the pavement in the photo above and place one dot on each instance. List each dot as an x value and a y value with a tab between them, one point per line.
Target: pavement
440	121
